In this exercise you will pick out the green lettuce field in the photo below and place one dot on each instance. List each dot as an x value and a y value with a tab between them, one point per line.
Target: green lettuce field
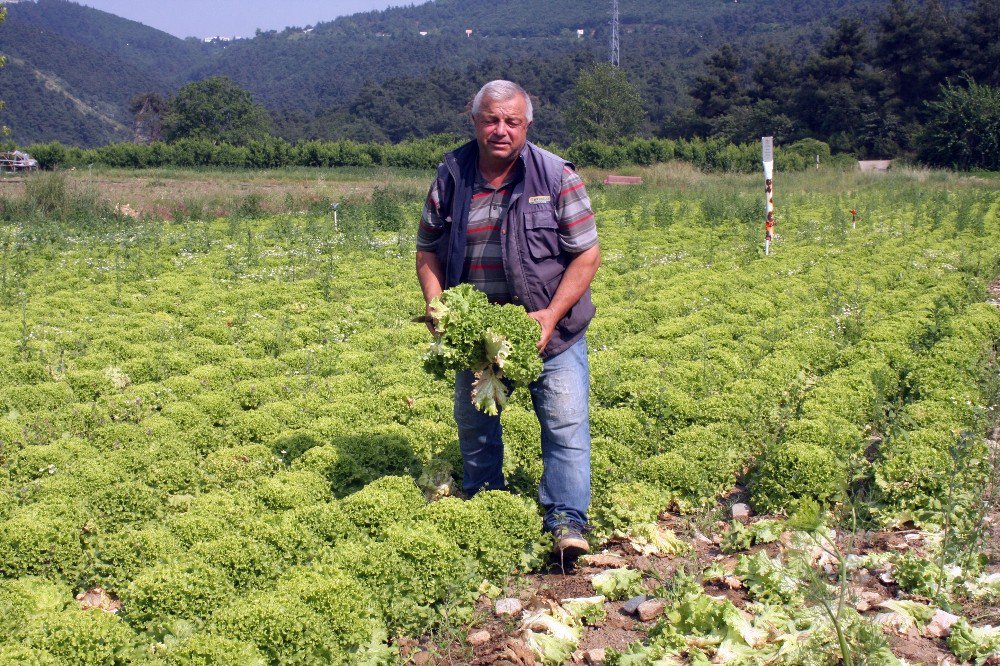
225	425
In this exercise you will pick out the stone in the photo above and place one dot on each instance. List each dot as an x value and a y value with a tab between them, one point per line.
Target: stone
741	511
478	638
865	600
732	582
510	606
650	609
595	657
940	625
603	560
632	605
422	658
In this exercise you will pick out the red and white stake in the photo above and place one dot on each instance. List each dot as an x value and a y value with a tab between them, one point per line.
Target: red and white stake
767	144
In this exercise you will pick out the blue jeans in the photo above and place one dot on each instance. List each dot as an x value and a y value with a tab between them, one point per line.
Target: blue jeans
560	397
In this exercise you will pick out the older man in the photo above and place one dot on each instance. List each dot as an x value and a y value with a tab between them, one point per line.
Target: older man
515	221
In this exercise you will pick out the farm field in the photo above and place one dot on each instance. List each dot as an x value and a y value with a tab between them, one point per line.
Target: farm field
220	429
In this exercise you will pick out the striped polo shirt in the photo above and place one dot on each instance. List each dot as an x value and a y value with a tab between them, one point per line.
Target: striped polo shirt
483	266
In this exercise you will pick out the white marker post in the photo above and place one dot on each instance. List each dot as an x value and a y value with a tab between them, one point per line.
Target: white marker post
767	144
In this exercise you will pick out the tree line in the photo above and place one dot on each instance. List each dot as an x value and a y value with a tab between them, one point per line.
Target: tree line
918	76
713	155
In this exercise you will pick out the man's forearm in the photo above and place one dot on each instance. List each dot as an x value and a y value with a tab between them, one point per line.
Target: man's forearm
577	278
431	275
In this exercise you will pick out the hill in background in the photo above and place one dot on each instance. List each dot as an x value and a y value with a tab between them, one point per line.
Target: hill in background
384	75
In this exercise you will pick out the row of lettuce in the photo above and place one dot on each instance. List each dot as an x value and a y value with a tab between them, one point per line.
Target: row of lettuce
704	154
219	423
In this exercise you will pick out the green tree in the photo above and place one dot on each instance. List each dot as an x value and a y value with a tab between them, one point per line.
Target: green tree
720	89
963	127
838	87
607	106
916	48
218	110
981	52
148	110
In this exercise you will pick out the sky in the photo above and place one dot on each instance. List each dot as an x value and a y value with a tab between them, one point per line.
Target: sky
235	18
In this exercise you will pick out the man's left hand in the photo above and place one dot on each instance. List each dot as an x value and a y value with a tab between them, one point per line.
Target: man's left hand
547	319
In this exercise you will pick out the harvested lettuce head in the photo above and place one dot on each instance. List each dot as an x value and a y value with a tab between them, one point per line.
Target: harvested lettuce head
497	343
618	583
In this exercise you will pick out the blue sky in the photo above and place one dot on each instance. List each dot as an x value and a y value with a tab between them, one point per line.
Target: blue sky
240	18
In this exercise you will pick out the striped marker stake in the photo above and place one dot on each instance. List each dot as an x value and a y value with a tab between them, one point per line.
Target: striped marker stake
767	144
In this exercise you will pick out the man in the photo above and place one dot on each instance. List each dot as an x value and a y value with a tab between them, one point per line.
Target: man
515	221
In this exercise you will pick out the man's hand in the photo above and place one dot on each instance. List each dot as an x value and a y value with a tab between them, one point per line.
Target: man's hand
431	277
547	319
429	320
579	273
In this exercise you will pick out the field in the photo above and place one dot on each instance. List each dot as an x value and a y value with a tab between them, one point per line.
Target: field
219	428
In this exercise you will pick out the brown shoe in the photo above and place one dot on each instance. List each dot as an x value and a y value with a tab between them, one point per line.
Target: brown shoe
569	542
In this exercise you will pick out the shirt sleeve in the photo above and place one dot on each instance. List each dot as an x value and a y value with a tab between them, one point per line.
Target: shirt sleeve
431	223
577	226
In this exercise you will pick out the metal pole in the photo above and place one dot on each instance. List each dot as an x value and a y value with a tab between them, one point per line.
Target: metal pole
615	46
767	149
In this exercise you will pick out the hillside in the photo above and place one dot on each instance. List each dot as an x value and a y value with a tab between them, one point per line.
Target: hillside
72	71
373	75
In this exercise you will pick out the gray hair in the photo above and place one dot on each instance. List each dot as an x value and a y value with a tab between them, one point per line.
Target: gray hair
501	91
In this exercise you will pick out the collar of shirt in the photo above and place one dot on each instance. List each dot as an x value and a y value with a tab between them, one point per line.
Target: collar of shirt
515	175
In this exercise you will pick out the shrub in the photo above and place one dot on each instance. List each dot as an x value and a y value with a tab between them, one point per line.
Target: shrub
75	636
963	130
312	617
793	470
240	463
43	539
628	504
186	588
383	503
418	576
205	649
125	503
119	556
25	598
244	560
678	477
325	520
498	530
915	476
14	654
292	488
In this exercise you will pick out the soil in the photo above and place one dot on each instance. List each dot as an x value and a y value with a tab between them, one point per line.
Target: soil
156	194
539	590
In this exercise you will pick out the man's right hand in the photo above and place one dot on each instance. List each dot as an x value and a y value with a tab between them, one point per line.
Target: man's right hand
428	319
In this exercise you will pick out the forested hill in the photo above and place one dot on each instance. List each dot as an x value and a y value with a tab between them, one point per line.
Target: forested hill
375	75
72	70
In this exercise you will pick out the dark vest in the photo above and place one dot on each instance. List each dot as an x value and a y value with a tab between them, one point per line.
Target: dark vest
532	258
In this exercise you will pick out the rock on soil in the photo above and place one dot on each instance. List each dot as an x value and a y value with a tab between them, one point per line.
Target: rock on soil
940	625
741	511
477	638
510	606
651	609
632	605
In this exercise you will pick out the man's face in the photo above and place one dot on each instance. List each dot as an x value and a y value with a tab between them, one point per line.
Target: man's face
502	128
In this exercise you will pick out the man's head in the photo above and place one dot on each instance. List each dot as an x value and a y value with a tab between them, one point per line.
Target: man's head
501	115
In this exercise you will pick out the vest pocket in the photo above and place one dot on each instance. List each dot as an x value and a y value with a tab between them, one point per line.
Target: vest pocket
541	234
